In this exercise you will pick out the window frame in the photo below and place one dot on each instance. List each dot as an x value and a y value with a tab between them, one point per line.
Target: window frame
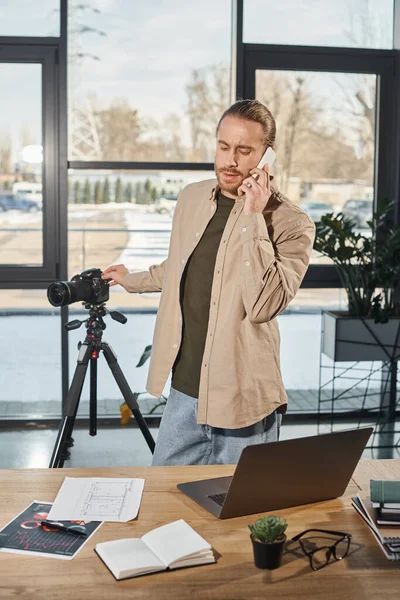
43	51
383	63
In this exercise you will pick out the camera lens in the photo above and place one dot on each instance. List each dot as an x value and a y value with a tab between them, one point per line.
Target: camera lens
84	287
61	293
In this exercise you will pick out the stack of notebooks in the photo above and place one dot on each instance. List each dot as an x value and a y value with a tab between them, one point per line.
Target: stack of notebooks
381	511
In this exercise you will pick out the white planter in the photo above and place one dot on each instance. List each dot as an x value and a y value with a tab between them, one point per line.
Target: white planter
347	338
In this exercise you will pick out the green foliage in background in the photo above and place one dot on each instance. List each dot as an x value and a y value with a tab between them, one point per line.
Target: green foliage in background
368	266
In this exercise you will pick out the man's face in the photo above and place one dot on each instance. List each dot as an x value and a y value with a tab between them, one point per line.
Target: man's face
240	146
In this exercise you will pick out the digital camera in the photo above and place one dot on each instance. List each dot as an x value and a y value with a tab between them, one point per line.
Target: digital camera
88	287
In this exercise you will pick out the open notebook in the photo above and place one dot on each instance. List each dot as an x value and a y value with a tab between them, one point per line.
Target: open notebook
171	546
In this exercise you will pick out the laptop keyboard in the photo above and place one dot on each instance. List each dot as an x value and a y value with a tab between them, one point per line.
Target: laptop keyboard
218	498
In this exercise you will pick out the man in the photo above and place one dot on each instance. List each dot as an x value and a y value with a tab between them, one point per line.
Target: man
238	252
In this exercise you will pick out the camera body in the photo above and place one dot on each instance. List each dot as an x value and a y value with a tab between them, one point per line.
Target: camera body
87	286
91	287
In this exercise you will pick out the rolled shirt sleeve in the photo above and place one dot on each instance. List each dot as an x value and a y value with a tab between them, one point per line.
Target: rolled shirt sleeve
271	274
146	281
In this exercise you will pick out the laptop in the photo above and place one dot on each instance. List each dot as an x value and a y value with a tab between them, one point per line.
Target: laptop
277	475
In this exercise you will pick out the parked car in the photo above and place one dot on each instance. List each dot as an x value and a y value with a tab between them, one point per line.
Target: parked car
29	190
165	204
11	202
359	211
316	208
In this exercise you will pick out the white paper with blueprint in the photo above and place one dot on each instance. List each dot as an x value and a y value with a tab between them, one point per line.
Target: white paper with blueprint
97	499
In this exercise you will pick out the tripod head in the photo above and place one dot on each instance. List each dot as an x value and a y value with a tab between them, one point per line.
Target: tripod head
95	324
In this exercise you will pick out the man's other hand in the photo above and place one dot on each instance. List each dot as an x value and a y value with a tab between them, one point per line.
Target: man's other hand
115	274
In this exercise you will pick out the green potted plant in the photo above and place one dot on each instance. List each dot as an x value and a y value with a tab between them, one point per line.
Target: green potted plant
268	538
369	269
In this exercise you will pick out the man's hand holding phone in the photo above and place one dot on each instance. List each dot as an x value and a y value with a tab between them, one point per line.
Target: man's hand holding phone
258	187
258	191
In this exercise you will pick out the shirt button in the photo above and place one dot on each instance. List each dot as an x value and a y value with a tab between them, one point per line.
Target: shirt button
213	207
175	345
247	263
244	229
197	234
183	261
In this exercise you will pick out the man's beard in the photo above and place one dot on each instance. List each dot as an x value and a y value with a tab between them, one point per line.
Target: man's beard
231	187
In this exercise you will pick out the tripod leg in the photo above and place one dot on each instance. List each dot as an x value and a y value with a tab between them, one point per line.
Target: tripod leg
93	396
60	451
127	393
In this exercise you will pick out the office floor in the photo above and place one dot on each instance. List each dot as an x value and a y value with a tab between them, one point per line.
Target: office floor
111	446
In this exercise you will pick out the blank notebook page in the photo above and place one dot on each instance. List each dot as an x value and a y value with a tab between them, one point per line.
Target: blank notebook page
175	541
128	556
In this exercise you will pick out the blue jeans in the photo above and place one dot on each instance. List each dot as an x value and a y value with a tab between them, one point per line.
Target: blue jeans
182	441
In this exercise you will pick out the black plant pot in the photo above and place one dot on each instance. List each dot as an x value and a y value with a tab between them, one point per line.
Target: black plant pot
268	556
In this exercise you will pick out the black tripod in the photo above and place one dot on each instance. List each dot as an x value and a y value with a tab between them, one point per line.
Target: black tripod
89	350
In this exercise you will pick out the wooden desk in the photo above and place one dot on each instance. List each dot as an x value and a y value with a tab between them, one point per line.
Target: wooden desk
366	573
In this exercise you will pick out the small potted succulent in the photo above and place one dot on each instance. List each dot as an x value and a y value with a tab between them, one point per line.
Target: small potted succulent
268	538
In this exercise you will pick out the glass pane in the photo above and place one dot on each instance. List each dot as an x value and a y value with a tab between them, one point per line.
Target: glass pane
147	81
300	330
325	141
123	217
30	366
21	165
28	18
312	300
344	23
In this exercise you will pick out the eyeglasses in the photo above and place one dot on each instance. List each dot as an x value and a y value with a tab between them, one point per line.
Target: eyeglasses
319	556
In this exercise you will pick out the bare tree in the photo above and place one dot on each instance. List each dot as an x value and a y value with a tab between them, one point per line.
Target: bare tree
172	135
25	135
356	111
358	91
309	144
83	139
119	130
290	102
162	140
295	116
208	97
5	154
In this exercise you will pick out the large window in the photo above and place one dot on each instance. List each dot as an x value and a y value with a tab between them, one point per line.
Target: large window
343	23
21	157
325	141
147	81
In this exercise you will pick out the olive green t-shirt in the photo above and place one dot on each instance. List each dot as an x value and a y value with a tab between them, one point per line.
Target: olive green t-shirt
195	298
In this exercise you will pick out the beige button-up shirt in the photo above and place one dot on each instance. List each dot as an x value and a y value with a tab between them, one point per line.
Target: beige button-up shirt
261	261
